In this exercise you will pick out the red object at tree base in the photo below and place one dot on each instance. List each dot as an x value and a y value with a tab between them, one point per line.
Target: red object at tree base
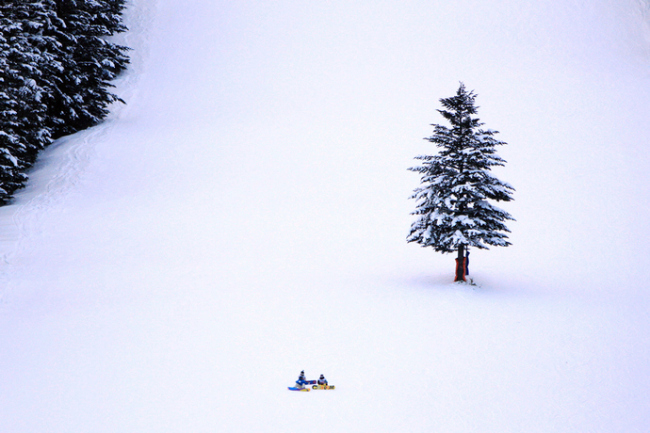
461	266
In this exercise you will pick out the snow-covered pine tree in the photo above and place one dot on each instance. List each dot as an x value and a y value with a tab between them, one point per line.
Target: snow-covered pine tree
453	209
90	62
10	176
27	63
55	71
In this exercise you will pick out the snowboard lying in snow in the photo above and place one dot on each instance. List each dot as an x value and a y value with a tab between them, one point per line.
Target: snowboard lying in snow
304	382
322	387
293	388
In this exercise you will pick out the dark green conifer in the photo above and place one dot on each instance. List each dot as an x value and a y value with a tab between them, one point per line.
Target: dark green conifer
453	202
56	68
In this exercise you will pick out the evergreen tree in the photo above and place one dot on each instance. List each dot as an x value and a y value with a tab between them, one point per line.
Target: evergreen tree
26	65
10	176
55	71
453	211
90	62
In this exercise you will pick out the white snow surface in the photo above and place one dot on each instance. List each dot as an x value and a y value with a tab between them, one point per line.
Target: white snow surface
244	218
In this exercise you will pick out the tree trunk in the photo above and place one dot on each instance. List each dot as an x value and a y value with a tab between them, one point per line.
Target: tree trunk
460	264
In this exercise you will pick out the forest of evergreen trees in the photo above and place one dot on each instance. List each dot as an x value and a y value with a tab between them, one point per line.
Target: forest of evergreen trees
56	68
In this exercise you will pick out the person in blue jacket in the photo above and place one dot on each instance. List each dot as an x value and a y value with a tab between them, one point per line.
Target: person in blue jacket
300	383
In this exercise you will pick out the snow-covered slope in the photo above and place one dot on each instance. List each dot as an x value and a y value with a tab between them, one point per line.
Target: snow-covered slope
244	218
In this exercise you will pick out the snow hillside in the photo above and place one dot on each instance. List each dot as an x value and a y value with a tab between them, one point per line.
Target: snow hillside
244	218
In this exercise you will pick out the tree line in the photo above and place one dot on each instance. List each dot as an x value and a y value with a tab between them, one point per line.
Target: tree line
56	68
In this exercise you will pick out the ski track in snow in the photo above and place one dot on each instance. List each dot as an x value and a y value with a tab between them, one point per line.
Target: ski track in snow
644	7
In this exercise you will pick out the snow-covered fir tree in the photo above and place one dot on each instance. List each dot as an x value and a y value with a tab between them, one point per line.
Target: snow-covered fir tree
453	207
55	71
10	176
90	62
28	68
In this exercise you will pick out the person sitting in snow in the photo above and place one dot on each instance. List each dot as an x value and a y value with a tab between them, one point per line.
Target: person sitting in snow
300	383
322	380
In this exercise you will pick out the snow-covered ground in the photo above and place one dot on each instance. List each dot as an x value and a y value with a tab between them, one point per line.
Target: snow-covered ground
244	218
